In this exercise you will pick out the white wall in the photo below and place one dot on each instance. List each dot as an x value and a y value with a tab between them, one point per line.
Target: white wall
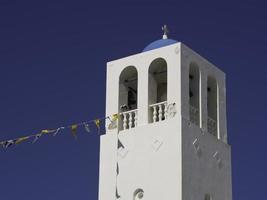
206	69
202	172
171	170
152	161
107	166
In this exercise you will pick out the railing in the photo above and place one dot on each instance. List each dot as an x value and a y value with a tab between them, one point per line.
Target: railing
128	119
159	111
194	115
212	126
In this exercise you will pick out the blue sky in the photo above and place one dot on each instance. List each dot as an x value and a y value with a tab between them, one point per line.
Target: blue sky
52	61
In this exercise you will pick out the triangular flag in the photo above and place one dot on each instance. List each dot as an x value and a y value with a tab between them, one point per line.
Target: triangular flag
37	136
120	145
46	131
118	171
115	117
86	127
57	130
97	123
74	128
113	121
22	139
8	143
117	194
112	125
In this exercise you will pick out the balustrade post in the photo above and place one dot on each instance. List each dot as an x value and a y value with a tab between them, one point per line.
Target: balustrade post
165	111
154	113
160	112
124	121
130	120
135	119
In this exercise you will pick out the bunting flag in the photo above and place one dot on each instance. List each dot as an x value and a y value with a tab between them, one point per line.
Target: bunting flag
8	143
112	125
97	123
57	130
86	127
117	170
117	194
120	145
115	117
74	128
46	131
22	139
37	136
113	121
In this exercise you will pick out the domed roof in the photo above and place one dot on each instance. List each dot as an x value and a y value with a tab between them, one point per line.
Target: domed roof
158	44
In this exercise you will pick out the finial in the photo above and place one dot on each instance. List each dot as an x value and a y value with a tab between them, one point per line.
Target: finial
165	32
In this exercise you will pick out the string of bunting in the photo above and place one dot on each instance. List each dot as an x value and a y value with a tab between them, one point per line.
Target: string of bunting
73	129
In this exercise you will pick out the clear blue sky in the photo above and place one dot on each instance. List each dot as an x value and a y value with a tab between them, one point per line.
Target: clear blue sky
52	61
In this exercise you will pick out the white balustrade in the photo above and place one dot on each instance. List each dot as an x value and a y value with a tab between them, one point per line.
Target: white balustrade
194	115
159	111
135	119
165	110
212	126
129	119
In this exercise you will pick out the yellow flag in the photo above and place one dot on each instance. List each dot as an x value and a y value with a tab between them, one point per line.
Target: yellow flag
97	123
115	117
74	128
46	131
22	139
113	121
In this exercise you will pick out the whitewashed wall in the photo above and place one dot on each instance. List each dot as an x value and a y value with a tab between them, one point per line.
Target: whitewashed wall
160	158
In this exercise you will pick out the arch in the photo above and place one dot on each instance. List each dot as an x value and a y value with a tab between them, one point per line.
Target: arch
157	83
128	85
194	93
157	89
212	105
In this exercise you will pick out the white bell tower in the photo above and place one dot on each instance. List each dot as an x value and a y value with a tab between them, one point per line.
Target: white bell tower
171	138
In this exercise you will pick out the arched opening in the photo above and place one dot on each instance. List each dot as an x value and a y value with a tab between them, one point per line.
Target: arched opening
128	85
194	93
157	90
212	101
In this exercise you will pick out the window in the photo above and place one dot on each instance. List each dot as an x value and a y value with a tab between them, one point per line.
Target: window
128	89
128	85
212	105
157	88
194	93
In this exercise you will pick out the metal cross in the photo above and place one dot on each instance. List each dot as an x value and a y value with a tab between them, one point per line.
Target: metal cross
165	29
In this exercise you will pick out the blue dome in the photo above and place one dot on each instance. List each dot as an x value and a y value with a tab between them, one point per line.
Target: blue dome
159	43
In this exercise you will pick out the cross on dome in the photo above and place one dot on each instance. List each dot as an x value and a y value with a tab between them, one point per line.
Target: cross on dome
165	32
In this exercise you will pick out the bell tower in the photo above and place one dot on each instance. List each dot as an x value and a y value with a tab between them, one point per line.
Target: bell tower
170	140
